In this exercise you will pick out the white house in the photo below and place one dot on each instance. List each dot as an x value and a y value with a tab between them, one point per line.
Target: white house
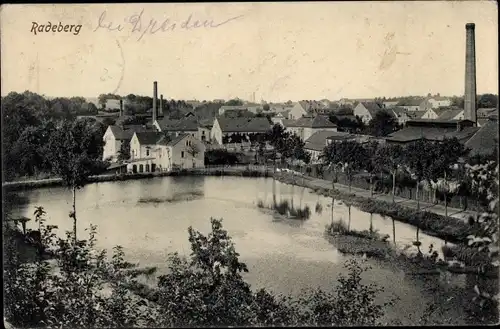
400	114
143	144
305	127
413	105
433	114
181	152
112	105
114	137
439	101
297	111
236	130
389	104
232	108
278	118
366	111
155	151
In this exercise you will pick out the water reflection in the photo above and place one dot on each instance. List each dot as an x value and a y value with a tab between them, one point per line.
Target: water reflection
284	256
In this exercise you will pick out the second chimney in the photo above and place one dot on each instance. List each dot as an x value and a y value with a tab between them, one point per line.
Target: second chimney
160	111
121	107
155	98
470	74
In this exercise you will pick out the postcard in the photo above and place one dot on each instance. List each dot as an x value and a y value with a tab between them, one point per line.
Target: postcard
250	164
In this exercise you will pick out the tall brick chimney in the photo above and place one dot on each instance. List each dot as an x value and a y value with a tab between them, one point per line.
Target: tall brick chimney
155	98
470	101
121	107
160	112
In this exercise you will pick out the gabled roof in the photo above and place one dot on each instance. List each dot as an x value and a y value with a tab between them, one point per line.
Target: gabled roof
398	111
244	124
340	136
317	141
311	105
127	132
412	102
414	133
440	111
449	114
171	140
316	122
372	107
485	140
206	123
184	124
149	137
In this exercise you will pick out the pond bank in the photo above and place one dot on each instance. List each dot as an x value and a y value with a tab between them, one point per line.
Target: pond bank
242	171
449	228
374	245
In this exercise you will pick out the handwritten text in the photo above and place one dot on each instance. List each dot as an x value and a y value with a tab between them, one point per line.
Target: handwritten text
138	24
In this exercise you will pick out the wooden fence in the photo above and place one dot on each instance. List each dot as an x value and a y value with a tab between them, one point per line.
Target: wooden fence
385	187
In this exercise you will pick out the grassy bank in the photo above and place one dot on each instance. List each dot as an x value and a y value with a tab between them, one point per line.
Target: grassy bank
353	242
53	182
457	259
448	228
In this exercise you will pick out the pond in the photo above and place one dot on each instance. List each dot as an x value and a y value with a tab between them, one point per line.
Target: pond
150	218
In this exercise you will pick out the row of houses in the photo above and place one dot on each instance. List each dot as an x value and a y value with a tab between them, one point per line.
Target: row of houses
412	104
480	140
367	111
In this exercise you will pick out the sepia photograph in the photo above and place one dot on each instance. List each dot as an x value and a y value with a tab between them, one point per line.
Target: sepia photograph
250	164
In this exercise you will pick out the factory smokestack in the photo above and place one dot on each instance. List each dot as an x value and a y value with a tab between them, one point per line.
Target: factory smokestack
470	102
155	98
121	107
160	112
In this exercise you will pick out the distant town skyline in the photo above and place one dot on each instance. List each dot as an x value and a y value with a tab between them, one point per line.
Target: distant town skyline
271	51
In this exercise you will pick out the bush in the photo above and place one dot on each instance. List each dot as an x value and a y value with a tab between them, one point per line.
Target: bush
206	289
220	157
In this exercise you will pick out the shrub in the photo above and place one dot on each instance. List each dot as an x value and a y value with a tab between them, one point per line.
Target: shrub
205	289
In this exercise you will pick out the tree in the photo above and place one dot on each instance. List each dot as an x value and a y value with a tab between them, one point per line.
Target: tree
74	153
276	137
485	240
417	159
382	124
234	102
487	101
457	101
350	156
71	296
389	159
341	156
371	162
446	154
207	289
124	153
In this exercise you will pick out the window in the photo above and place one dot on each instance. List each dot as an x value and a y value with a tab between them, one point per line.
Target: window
182	154
147	152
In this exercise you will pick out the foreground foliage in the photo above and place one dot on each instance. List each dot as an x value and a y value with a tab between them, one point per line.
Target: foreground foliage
82	287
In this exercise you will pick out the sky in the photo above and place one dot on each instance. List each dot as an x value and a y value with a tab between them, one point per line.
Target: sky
275	51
